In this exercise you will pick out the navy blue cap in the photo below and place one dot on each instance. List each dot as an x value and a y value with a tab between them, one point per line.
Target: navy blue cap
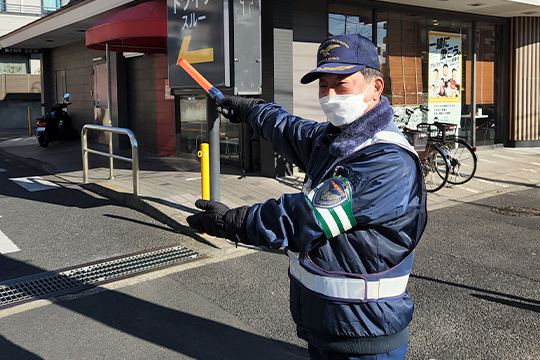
344	54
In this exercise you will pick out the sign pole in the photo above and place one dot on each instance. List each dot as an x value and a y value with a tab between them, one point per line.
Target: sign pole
212	134
212	125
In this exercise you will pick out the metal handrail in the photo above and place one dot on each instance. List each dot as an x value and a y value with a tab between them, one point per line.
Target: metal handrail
114	130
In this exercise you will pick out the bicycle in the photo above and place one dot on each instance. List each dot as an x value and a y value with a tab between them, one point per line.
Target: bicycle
462	157
435	164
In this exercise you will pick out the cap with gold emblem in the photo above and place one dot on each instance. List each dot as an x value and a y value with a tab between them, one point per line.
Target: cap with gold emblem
344	54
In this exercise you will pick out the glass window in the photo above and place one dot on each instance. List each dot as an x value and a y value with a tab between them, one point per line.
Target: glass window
13	64
193	129
229	137
486	63
399	38
403	43
2	5
193	120
50	5
486	83
343	19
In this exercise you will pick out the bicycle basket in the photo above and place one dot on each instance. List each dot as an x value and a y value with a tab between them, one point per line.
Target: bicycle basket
418	139
440	132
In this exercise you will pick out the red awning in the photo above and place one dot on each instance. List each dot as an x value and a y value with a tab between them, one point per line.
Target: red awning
141	28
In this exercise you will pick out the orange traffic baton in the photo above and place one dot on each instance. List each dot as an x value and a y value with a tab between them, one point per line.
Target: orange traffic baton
214	93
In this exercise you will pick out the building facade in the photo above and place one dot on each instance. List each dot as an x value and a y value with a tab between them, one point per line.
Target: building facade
475	66
20	68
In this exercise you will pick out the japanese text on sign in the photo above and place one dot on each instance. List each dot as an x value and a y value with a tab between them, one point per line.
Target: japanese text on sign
191	19
198	32
446	50
20	51
445	73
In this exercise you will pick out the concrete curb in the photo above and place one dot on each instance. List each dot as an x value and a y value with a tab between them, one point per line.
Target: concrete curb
150	207
33	163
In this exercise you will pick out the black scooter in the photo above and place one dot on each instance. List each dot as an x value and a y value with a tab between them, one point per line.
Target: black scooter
55	125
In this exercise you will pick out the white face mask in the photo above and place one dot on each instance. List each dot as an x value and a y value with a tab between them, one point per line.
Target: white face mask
344	109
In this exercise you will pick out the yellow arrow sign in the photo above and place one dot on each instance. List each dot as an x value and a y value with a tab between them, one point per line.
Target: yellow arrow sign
194	56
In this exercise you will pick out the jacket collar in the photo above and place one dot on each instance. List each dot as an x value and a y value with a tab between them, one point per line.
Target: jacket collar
362	129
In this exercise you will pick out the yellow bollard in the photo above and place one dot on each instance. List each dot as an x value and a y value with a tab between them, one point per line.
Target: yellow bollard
29	121
205	171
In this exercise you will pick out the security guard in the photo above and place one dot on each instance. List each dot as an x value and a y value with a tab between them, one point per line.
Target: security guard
351	233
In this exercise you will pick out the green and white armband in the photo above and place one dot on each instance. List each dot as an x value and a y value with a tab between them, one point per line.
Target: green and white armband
332	203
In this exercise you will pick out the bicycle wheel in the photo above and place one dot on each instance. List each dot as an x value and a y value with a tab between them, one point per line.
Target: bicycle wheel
463	161
436	168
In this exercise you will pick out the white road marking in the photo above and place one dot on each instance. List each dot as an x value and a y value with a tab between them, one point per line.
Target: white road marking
504	157
191	179
34	183
6	245
538	164
490	182
530	170
471	190
489	161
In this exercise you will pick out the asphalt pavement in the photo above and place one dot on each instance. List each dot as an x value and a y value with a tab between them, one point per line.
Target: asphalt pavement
475	281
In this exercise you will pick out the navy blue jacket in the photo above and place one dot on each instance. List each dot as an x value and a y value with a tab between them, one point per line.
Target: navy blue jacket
388	199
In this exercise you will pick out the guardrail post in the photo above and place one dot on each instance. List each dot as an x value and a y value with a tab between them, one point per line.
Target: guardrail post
84	143
134	162
111	130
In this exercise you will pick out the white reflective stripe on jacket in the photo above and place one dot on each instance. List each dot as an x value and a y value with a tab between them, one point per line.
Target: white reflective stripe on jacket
347	288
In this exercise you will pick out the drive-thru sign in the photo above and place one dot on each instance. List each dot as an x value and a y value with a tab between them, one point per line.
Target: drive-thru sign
198	31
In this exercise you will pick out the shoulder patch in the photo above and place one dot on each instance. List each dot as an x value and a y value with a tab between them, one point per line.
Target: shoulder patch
332	203
332	193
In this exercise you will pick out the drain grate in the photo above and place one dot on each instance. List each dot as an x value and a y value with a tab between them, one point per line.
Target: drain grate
57	283
518	211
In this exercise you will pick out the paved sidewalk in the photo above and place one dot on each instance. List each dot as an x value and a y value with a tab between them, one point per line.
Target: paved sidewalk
169	186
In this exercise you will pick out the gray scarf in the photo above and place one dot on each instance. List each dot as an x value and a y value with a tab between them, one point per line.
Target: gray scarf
362	129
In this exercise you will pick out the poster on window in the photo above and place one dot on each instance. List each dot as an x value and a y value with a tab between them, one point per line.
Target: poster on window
445	77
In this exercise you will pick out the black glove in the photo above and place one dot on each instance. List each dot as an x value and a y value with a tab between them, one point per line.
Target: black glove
236	108
218	220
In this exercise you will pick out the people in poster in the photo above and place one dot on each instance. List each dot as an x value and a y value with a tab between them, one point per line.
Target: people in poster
445	65
445	85
453	84
445	72
437	84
